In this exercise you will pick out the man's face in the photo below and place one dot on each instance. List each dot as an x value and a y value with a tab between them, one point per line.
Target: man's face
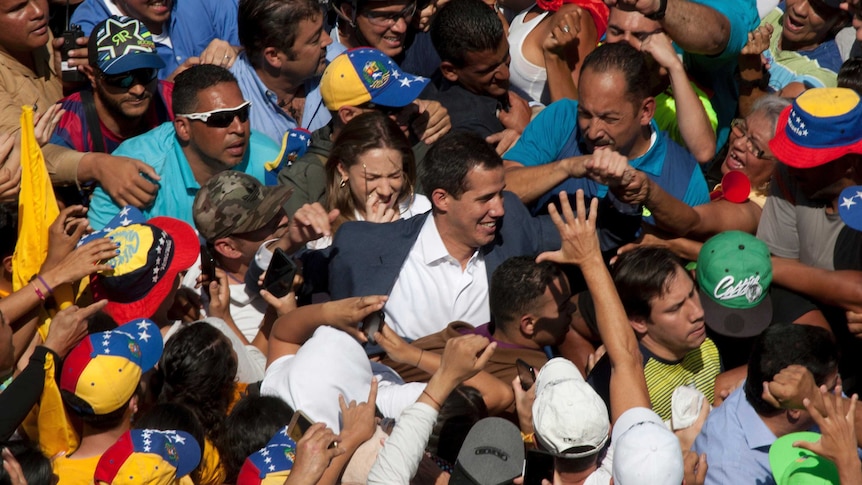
126	102
824	183
307	56
553	313
807	26
470	221
150	12
23	25
249	242
486	72
630	26
607	117
676	324
219	147
384	24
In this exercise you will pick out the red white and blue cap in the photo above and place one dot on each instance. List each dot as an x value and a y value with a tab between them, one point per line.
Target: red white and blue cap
152	254
850	206
104	369
364	75
122	44
822	125
294	144
271	464
148	456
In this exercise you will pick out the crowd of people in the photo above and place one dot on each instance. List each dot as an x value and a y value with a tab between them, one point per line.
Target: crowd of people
430	241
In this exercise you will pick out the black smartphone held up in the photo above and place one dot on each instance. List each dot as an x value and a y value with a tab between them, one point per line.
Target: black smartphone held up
279	276
372	324
298	425
538	465
207	268
70	35
526	373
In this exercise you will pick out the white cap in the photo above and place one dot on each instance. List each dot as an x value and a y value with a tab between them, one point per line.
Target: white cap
567	412
645	451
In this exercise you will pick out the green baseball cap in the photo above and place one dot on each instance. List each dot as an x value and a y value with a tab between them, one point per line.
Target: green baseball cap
734	272
796	466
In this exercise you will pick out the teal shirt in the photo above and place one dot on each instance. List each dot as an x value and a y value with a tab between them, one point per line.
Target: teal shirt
160	149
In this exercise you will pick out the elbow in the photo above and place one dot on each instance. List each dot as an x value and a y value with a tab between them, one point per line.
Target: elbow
705	151
717	41
499	399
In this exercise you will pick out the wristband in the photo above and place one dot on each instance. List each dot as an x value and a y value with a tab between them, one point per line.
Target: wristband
38	292
47	286
439	406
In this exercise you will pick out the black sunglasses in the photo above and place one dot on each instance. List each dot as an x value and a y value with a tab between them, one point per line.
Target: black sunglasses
221	118
130	78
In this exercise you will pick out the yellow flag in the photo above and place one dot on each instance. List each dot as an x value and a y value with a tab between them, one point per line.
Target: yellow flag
37	209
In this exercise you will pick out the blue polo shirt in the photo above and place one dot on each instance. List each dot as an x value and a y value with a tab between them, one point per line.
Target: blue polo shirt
266	115
160	149
554	135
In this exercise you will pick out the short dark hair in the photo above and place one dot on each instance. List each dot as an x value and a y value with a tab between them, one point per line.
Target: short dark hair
782	345
253	421
460	411
642	274
9	226
632	63
515	286
82	409
463	26
35	466
193	80
448	162
850	75
272	23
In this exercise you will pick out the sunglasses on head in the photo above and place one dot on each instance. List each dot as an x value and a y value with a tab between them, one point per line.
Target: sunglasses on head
130	78
221	118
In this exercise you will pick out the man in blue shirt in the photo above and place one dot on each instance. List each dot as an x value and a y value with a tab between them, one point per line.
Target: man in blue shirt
286	49
737	435
210	134
615	113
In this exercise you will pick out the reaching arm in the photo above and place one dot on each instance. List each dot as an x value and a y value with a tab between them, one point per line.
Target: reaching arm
839	288
581	247
571	35
530	183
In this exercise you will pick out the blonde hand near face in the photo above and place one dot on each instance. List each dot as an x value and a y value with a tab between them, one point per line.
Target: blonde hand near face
377	211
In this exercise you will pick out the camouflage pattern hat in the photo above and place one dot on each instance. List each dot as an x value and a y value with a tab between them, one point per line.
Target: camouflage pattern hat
232	202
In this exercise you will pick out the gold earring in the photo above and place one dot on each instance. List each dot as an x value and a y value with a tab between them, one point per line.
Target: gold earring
343	183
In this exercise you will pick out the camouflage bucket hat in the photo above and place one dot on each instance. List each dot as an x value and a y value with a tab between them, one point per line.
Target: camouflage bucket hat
232	202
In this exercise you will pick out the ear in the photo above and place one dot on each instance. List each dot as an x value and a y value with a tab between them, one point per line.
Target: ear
449	71
226	248
342	171
271	57
183	128
347	113
133	404
440	200
639	324
7	264
794	415
528	325
345	11
91	75
647	111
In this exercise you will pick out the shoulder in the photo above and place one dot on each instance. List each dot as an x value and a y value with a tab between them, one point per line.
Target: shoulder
352	231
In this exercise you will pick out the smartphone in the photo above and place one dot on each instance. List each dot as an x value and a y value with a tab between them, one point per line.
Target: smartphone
371	325
207	267
279	276
537	466
70	37
298	425
526	373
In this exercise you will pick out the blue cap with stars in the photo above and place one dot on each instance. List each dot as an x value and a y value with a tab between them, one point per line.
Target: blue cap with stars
270	464
148	456
102	372
850	206
366	75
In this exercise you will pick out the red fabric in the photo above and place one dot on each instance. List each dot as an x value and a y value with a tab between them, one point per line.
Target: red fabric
597	9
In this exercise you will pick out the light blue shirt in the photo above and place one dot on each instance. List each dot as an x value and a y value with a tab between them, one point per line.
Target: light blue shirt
266	115
160	149
736	442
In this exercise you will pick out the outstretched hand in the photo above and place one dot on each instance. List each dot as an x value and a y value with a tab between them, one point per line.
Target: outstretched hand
577	231
837	427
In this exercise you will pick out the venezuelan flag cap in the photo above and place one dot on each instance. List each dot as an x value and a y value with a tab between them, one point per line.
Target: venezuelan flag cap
271	464
148	456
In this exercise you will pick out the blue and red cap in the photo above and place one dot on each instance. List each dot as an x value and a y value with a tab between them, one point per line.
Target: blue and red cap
148	456
271	464
366	75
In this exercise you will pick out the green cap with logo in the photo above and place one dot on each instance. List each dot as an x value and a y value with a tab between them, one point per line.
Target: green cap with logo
734	272
233	202
796	466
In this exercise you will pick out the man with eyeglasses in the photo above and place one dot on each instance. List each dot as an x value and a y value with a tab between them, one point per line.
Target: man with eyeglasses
210	133
126	99
387	25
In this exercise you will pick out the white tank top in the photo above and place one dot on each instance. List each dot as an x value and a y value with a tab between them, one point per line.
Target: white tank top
525	78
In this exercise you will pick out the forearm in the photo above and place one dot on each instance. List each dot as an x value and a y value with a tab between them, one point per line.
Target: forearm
838	288
530	183
399	459
670	213
62	164
299	325
17	400
560	82
694	125
750	82
696	28
497	395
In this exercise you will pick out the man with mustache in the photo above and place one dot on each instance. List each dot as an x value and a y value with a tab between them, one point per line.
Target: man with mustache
614	112
126	99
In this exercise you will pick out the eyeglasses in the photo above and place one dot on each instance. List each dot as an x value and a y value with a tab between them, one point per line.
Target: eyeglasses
221	118
740	129
388	19
131	78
